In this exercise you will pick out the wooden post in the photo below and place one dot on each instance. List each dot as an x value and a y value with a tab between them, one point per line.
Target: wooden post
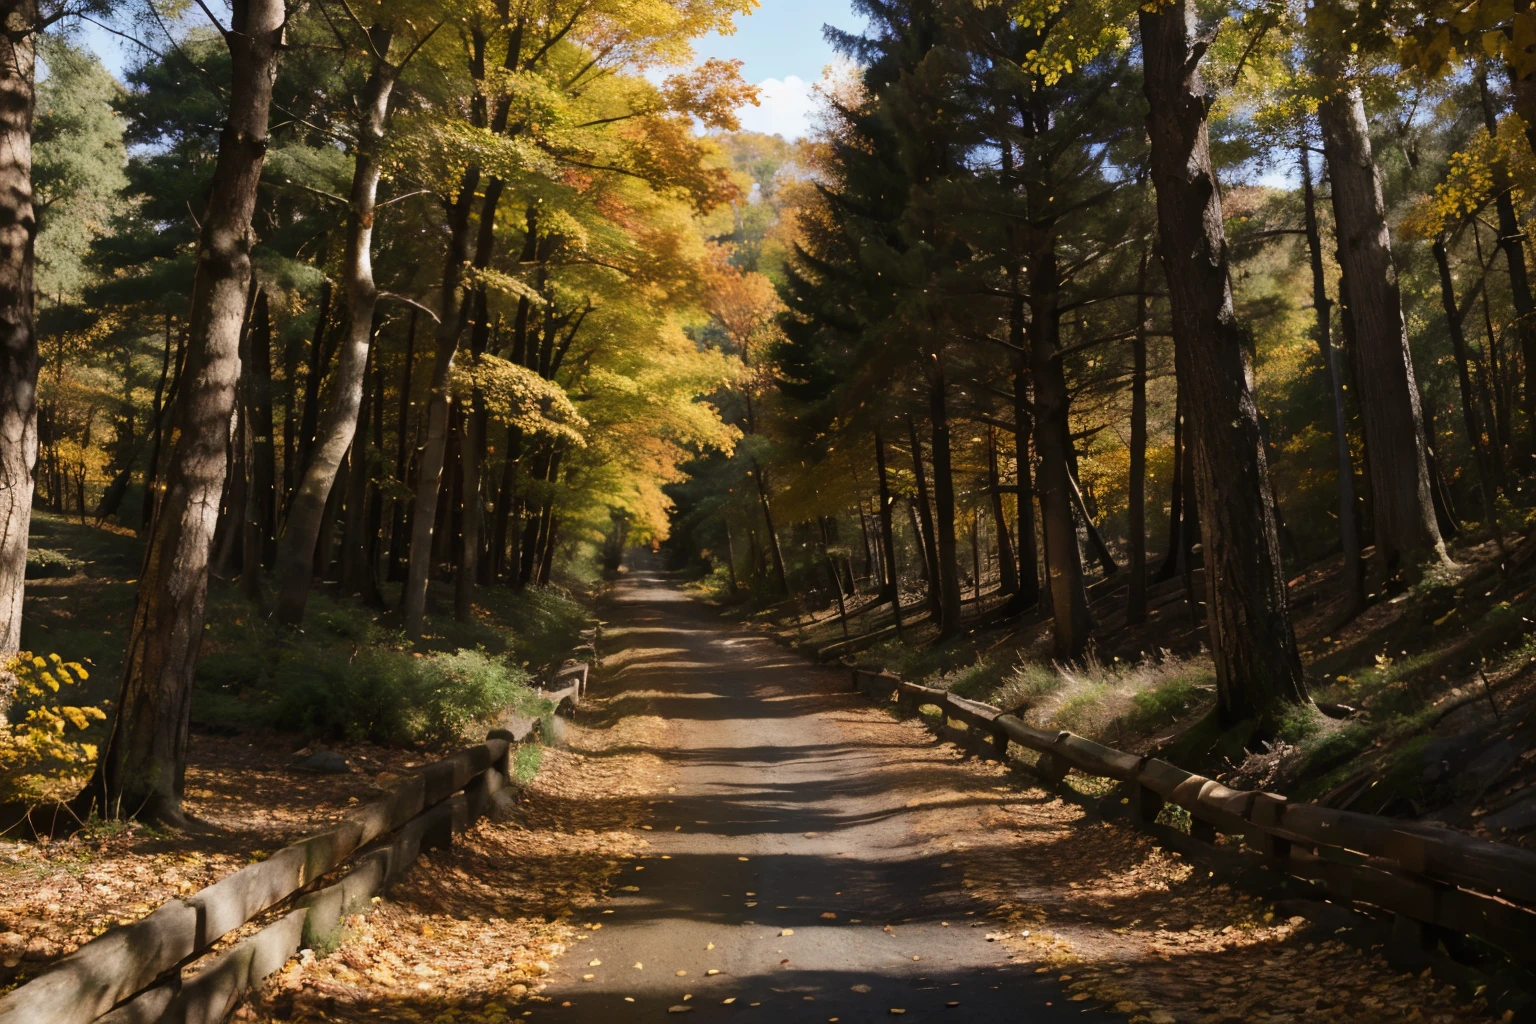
1202	830
1052	768
1000	746
1145	804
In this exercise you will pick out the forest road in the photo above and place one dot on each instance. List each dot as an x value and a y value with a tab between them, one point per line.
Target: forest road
781	860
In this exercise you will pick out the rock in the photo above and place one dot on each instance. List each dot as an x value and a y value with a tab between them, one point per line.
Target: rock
323	762
1492	763
1514	818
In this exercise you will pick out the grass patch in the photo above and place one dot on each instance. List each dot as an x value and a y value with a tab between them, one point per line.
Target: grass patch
526	761
1109	701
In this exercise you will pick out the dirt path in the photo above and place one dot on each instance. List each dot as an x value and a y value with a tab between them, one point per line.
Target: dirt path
781	872
725	807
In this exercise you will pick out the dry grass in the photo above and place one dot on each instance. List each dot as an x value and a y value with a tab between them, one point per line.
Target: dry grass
1114	698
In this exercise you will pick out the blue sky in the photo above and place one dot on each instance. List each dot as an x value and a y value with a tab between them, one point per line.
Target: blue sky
780	46
783	53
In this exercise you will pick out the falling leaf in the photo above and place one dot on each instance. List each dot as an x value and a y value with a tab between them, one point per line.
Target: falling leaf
743	858
828	915
680	1008
728	1000
861	989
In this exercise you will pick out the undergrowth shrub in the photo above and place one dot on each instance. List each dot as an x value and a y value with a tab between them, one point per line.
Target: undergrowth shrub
345	677
44	752
715	587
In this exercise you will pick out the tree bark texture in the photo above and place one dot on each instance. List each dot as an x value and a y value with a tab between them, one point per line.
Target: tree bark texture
1349	530
1252	641
339	424
1064	572
1406	530
18	340
142	769
1136	600
944	504
892	589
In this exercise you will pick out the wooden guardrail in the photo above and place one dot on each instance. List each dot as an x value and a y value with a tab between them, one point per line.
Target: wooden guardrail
1428	878
134	974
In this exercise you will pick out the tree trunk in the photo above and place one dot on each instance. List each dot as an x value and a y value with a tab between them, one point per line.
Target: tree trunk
1023	427
1096	539
1496	379
261	495
892	589
1169	567
1471	417
1252	642
1136	601
1406	530
319	358
928	543
1007	568
397	526
336	433
1069	595
1349	530
18	341
730	557
944	505
434	449
142	770
164	391
1511	240
780	573
475	427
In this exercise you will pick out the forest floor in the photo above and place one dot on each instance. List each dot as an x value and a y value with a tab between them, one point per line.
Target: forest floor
1432	685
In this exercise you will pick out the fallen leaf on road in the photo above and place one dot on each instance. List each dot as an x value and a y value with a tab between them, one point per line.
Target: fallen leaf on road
594	963
681	974
680	1008
861	989
786	931
827	914
712	971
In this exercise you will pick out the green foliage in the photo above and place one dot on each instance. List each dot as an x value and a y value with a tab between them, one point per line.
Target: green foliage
346	677
526	761
43	564
77	163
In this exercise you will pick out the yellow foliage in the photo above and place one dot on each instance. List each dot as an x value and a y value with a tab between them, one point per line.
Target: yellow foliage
1468	183
42	756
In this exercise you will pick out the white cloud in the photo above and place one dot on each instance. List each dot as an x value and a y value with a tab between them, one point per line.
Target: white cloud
784	108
